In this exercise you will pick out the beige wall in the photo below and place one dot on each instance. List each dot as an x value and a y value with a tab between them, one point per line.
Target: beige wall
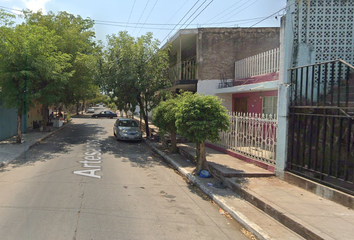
34	115
219	48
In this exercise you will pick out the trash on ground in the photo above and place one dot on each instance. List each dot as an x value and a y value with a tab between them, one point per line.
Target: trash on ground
204	174
209	184
222	212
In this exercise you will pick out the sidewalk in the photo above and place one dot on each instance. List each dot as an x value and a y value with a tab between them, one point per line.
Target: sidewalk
10	150
266	206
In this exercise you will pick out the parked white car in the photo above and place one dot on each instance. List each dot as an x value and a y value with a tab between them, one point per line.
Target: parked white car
90	110
127	129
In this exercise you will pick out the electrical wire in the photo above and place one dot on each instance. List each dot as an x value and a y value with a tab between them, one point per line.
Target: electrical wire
194	12
149	14
130	13
242	9
174	15
227	9
180	20
218	19
199	13
141	14
173	24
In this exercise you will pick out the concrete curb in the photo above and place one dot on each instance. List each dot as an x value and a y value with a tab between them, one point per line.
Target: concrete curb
250	226
35	142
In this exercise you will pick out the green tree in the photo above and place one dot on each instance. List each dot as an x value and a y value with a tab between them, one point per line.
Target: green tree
164	117
200	118
31	68
151	64
119	76
75	38
134	73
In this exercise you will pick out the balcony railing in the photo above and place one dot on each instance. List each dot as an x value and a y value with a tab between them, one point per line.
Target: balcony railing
263	63
185	70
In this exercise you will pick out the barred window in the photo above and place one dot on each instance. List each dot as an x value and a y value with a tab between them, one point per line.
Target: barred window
270	105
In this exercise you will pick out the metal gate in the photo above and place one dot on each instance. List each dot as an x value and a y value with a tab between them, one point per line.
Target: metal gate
321	119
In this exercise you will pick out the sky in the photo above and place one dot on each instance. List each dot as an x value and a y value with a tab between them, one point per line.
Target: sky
161	17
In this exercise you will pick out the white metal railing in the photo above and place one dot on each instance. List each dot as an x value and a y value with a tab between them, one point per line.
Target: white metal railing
252	135
266	62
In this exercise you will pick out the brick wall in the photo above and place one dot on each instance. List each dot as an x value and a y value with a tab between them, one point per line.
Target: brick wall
219	48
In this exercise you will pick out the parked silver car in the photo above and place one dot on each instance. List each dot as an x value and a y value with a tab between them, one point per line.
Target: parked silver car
127	129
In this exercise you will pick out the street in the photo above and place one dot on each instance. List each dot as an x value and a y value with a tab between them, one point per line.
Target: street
81	183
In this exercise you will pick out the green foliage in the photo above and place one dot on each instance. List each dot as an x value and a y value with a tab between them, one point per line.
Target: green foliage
201	117
164	115
31	68
74	36
112	106
134	72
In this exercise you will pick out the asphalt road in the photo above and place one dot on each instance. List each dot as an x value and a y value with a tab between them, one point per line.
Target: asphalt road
82	184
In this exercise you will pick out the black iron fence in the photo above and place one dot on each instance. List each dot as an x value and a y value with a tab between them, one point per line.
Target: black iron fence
321	119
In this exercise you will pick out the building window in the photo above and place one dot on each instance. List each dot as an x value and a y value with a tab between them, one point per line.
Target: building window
270	105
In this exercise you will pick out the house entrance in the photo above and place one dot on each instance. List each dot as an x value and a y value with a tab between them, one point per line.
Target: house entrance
240	105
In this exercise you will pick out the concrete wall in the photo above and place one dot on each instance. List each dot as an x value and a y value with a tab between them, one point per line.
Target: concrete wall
8	122
207	87
219	48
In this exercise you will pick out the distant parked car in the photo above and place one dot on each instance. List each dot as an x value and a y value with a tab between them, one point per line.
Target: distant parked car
90	110
97	105
127	129
108	114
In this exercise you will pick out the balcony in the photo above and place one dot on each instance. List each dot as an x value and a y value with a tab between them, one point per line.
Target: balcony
263	63
185	70
263	67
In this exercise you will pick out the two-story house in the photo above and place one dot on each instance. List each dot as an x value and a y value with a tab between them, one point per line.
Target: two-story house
201	58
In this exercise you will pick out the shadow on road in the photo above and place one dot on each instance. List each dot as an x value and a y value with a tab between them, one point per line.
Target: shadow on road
59	143
137	153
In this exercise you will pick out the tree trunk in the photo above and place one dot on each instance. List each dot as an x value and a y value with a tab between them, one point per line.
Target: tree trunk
59	111
202	163
45	117
77	108
173	142
145	116
83	107
19	122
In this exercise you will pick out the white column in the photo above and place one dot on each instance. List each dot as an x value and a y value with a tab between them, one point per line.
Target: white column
286	52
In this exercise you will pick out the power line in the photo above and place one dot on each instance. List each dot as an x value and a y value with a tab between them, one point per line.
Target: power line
180	20
227	9
232	10
194	12
142	14
130	13
245	21
174	14
199	13
173	24
254	24
242	9
149	14
269	16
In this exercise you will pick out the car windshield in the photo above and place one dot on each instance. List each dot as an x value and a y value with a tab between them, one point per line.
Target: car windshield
127	123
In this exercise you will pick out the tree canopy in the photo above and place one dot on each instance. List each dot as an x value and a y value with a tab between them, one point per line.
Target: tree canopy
134	72
47	59
200	118
164	117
